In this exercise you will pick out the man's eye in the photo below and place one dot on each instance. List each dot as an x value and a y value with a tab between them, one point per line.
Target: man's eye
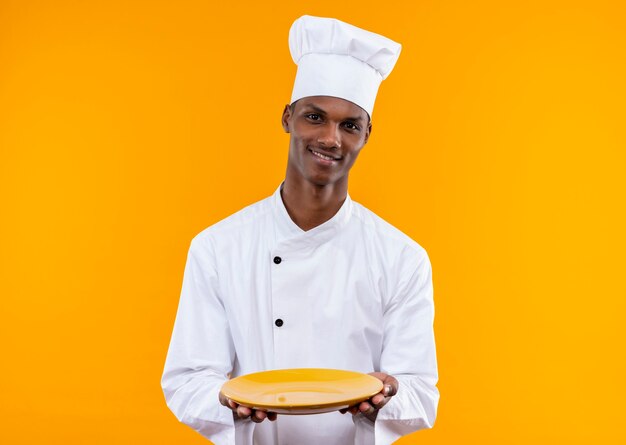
351	126
313	116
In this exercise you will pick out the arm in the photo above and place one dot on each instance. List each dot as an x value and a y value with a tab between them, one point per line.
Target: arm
201	352
409	356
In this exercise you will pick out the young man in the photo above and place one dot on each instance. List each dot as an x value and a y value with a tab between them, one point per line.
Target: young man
307	278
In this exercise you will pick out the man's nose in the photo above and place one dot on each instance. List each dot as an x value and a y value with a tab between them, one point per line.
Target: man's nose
329	136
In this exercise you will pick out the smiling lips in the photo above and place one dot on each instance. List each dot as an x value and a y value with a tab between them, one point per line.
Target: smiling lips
323	156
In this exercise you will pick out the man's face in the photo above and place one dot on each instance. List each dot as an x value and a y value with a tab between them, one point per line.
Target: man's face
327	134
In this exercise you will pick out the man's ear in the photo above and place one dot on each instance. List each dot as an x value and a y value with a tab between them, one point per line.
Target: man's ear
286	117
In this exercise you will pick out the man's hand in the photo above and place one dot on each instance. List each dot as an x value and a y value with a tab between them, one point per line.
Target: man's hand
369	408
243	412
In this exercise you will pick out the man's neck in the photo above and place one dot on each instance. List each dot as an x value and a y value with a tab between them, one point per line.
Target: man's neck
309	205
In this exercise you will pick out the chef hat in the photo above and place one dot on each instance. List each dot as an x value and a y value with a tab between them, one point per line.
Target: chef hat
340	60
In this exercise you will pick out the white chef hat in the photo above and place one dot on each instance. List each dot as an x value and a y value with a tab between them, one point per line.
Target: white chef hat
340	60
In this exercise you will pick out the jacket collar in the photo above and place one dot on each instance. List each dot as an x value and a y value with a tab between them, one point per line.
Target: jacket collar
289	236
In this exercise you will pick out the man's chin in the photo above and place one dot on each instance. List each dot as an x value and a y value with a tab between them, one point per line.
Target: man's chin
324	181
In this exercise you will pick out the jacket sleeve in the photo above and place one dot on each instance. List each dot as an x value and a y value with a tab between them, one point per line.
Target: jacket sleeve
409	354
201	352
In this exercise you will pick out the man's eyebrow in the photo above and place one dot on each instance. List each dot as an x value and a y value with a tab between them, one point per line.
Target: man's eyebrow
315	108
355	119
318	110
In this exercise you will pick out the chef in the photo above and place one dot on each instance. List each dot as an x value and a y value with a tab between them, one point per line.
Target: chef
308	278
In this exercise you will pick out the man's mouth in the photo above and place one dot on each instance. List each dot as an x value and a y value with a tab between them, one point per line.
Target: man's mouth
324	156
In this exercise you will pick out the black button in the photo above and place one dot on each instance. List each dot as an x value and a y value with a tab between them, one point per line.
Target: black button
278	322
277	260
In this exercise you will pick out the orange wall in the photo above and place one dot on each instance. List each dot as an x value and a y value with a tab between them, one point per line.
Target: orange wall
499	145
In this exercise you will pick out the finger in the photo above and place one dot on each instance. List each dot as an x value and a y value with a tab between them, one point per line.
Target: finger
351	409
390	383
379	375
232	405
382	403
378	398
390	387
258	416
366	408
243	412
223	399
272	416
388	390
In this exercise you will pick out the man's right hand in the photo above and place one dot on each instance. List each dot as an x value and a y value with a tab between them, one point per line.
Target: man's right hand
243	412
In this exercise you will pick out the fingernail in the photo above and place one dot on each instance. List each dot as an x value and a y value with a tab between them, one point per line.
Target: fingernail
387	390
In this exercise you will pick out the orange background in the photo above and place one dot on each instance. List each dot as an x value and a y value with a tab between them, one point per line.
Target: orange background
498	144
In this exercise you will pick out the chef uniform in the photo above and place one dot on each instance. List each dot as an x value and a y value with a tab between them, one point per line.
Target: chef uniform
353	293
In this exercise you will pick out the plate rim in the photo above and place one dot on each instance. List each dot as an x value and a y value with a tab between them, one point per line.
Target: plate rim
294	408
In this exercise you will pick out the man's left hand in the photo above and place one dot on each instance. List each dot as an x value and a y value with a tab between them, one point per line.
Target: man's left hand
369	408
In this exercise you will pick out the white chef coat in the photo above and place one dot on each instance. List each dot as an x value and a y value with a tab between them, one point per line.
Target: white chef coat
353	293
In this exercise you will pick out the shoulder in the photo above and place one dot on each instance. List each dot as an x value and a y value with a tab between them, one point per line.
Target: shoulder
238	223
401	264
386	235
